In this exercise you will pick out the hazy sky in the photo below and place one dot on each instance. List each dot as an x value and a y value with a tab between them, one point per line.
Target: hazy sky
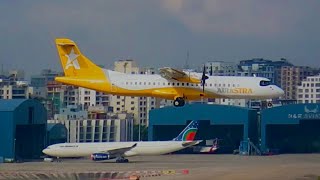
159	32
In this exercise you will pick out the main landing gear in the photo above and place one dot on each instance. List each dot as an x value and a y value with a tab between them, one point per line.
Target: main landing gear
122	160
178	102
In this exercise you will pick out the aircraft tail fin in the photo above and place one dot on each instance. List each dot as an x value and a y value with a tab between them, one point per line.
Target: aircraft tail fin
73	62
189	133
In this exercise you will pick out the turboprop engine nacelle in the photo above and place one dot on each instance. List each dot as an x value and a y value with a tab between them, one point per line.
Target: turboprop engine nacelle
101	156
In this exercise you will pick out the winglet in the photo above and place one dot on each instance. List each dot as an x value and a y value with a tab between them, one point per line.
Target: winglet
189	132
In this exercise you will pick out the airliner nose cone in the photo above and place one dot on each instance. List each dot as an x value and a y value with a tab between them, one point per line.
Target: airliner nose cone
281	92
45	151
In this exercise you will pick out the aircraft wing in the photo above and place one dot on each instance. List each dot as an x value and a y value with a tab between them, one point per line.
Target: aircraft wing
178	75
119	151
191	143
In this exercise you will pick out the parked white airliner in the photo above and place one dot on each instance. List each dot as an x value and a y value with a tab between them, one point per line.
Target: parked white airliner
119	150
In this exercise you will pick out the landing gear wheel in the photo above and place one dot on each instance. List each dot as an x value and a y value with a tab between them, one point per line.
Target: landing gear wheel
122	160
179	102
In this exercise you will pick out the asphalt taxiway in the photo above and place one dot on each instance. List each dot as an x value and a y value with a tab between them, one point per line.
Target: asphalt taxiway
215	166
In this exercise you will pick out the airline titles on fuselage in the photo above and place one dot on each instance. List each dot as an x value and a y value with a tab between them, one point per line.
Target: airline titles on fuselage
67	146
235	90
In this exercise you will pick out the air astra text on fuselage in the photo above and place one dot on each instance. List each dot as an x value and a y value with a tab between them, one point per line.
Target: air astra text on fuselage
235	90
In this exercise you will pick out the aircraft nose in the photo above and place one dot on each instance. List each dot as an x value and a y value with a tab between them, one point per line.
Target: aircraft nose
277	91
45	151
280	91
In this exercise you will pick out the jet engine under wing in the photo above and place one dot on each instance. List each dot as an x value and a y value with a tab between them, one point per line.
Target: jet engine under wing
174	74
119	151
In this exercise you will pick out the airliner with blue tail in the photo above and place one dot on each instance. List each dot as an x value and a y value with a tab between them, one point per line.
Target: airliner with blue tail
119	150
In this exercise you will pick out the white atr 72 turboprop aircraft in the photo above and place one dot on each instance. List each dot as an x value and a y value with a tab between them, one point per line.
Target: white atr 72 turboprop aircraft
170	84
118	150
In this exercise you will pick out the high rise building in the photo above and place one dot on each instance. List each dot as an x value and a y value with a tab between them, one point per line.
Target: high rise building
291	78
309	90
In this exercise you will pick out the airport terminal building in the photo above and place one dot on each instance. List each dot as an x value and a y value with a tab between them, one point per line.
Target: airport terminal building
288	129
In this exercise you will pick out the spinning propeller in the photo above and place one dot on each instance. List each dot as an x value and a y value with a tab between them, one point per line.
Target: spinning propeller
203	78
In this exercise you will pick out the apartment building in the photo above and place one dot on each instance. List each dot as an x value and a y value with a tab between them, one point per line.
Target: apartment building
291	78
309	90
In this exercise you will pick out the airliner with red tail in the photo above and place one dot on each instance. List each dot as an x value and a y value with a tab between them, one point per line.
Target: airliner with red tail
119	150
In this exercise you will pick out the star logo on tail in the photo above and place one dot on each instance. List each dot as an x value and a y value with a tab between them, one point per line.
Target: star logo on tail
72	60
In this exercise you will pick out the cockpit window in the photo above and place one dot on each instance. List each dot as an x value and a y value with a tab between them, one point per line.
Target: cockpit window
265	83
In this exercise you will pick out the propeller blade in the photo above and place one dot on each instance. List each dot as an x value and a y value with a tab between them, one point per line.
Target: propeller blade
203	78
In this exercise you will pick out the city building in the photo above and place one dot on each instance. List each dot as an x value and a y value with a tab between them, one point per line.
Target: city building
97	124
53	100
291	78
221	68
39	82
309	90
89	97
12	88
257	67
71	112
263	68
